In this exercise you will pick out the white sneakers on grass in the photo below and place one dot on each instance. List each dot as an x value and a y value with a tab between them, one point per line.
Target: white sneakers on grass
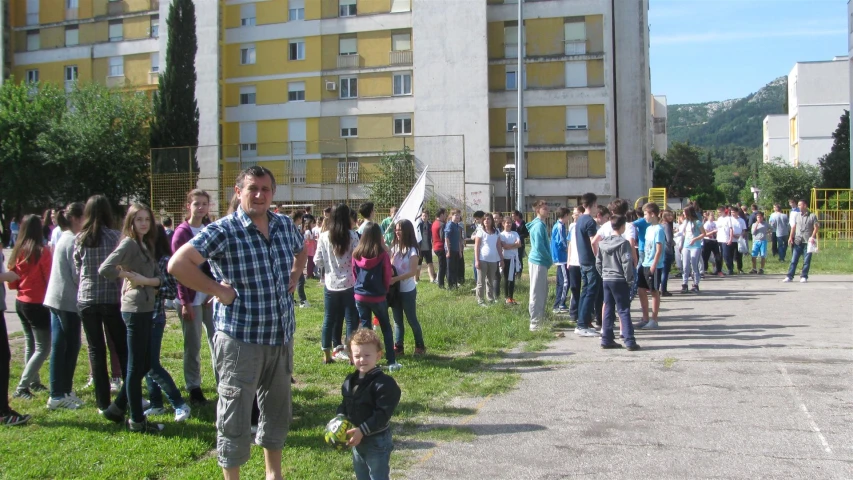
586	332
68	402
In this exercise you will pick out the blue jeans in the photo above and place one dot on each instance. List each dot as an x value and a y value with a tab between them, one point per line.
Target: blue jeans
138	359
338	305
667	266
366	311
617	297
562	287
729	256
65	330
408	306
158	379
575	287
589	294
782	246
797	252
372	457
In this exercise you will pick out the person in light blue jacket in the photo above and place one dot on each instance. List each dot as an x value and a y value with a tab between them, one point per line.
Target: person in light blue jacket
540	261
560	254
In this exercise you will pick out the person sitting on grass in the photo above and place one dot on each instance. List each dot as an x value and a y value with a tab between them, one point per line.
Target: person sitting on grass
615	263
653	263
759	241
369	400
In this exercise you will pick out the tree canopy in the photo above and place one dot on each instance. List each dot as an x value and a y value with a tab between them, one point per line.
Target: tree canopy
835	166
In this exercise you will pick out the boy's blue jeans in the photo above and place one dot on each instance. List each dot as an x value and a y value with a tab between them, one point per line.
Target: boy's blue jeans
575	287
589	294
410	309
158	379
65	347
562	287
339	305
798	251
366	311
372	457
617	298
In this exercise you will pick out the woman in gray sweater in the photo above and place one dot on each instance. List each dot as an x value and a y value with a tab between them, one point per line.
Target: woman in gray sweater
134	261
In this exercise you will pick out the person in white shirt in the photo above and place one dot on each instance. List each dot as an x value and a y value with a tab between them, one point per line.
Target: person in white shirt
510	243
487	256
710	245
725	237
404	258
739	229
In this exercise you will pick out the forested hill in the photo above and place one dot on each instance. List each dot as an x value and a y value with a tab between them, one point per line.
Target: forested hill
728	123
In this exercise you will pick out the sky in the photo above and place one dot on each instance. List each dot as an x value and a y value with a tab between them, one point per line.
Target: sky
706	50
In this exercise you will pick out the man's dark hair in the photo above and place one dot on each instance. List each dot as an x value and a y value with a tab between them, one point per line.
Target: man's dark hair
167	222
479	214
618	206
617	221
366	209
754	206
562	212
602	211
587	199
257	172
440	212
329	210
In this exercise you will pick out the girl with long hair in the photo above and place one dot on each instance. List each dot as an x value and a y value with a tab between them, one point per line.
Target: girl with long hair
405	253
195	309
134	261
61	298
62	225
334	256
31	262
372	269
48	224
487	256
691	254
297	217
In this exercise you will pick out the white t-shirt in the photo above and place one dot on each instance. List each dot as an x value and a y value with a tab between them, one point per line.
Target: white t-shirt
575	260
723	226
200	297
400	261
488	246
510	238
630	233
54	236
710	226
739	226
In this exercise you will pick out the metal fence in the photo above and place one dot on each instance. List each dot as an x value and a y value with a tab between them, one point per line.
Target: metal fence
834	210
317	173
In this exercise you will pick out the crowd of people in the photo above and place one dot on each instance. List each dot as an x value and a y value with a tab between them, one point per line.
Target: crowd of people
233	282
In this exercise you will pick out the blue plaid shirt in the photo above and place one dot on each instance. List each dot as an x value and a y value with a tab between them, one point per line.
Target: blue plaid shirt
259	270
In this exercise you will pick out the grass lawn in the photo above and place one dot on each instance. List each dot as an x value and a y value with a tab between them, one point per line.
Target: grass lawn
831	258
464	343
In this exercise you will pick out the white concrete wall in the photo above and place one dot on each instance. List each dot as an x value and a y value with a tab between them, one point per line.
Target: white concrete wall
776	142
451	78
819	92
660	141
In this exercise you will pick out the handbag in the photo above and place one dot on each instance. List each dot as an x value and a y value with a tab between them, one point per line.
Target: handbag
742	247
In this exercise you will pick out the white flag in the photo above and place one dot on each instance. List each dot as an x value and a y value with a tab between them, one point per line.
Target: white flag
410	209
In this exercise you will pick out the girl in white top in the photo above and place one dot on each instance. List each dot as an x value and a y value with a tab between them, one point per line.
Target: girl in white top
693	232
739	228
510	243
404	258
487	256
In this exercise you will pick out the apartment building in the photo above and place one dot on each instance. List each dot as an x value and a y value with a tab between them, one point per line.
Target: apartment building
818	94
65	41
776	142
5	42
660	140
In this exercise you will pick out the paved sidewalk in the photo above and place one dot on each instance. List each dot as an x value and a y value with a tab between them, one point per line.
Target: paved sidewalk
750	379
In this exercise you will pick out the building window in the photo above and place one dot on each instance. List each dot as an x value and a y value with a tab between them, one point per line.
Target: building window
347	8
349	127
155	26
249	139
297	50
578	165
298	170
349	87
70	77
575	37
296	91
116	30
247	55
347	171
32	12
511	41
296	10
511	80
402	124
576	118
72	36
576	74
247	15
72	9
512	119
401	6
155	62
247	95
401	41
32	76
348	46
116	67
33	40
403	83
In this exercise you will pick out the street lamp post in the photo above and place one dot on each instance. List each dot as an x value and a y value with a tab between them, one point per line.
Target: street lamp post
519	83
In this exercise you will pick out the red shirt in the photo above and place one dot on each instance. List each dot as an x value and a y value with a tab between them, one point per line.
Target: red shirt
437	235
32	285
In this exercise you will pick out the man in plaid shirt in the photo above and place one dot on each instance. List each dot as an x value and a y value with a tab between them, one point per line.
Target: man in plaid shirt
256	258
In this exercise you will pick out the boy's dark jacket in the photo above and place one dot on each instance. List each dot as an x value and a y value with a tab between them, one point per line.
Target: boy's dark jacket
370	405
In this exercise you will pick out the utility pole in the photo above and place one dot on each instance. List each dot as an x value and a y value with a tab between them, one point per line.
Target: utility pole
519	153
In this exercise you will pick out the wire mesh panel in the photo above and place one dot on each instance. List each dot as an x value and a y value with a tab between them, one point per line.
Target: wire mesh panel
834	210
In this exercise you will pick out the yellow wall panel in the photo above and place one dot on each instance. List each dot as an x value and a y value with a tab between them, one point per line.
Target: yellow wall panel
272	138
231	133
546	165
100	67
375	126
544	36
18	13
314	87
595	117
99	7
546	75
597	164
269	59
20	41
329	128
50	11
137	6
137	27
328	8
497	127
595	73
312	134
595	33
373	6
497	77
374	48
546	125
93	32
496	39
232	16
375	84
84	9
136	68
52	37
330	47
271	12
497	161
314	171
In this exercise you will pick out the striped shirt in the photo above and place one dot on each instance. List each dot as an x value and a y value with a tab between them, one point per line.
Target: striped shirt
94	288
168	289
258	269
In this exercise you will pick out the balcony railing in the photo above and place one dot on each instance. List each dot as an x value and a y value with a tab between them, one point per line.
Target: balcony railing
116	81
349	61
575	47
400	57
347	173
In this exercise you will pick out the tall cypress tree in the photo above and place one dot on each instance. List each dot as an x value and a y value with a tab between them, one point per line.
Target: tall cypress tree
175	121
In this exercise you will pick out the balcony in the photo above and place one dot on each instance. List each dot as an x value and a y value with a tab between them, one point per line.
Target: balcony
115	7
400	57
116	81
575	47
349	61
153	78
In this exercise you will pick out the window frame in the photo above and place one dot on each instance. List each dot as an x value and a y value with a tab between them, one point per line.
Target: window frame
110	68
347	8
395	39
250	92
402	119
32	73
351	132
72	28
155	68
247	53
248	15
402	76
33	36
297	42
579	126
341	49
120	25
154	26
349	80
297	92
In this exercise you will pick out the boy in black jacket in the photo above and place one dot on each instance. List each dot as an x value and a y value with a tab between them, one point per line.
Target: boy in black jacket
370	397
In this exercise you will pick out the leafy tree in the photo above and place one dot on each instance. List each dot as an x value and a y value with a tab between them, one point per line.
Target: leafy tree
683	171
779	181
100	145
835	166
394	178
175	109
731	180
710	199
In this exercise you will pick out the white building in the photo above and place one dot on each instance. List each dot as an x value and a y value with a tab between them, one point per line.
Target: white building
776	139
659	137
818	94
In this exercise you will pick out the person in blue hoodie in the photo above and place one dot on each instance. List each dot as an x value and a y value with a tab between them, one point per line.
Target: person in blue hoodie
453	245
540	261
560	255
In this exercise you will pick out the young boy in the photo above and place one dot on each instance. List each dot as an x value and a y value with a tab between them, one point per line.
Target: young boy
540	261
574	266
369	399
453	246
759	241
559	253
652	266
366	212
615	264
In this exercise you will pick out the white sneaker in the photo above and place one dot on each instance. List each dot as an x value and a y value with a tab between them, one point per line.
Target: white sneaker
341	355
115	385
182	413
152	412
593	331
90	383
651	325
786	280
64	402
804	280
73	396
585	332
304	305
145	404
394	367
